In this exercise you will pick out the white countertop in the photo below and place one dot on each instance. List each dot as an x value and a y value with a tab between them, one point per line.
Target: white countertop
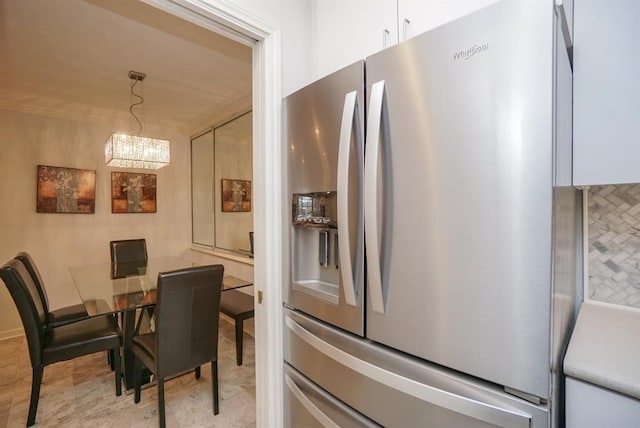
605	348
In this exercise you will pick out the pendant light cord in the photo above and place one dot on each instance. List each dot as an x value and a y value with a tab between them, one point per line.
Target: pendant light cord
135	81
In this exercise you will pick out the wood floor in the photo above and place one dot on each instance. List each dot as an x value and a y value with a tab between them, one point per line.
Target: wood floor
81	392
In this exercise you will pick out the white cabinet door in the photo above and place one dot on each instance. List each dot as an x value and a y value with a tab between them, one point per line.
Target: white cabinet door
350	30
417	16
606	92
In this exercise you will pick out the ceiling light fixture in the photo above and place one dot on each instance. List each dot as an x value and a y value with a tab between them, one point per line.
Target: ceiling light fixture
135	151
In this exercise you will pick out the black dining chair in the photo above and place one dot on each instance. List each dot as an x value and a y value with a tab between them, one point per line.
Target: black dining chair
128	250
57	317
128	257
186	335
48	344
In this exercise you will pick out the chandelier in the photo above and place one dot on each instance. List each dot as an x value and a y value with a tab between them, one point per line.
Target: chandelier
134	151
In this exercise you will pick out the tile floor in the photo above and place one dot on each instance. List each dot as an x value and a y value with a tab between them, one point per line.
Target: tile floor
81	392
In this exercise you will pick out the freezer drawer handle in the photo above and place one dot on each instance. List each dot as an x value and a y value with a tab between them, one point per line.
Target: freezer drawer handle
371	156
311	408
349	123
456	403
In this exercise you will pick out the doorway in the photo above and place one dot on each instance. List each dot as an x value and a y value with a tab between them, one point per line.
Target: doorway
267	175
211	16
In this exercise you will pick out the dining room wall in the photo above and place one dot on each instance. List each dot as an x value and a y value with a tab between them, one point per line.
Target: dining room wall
57	241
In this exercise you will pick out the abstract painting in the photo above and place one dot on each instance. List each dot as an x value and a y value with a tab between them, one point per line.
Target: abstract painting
236	195
66	190
133	193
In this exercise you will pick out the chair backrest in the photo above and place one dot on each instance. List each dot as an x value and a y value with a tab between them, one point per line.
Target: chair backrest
187	314
31	267
25	295
128	250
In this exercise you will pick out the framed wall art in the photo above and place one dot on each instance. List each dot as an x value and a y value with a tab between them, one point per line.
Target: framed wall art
65	190
133	193
236	195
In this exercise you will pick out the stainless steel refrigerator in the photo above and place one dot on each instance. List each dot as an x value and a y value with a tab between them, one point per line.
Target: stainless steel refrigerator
433	230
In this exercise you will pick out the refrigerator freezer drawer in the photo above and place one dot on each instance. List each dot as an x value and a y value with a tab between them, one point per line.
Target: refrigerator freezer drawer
307	405
396	390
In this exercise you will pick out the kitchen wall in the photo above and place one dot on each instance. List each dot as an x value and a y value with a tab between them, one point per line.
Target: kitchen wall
614	244
57	241
293	19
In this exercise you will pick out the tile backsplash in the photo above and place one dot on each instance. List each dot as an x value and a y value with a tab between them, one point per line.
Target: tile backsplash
614	244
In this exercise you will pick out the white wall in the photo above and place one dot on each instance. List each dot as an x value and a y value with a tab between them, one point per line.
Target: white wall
233	268
293	18
57	241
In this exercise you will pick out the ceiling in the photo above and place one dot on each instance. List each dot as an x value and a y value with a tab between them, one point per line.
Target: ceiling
72	58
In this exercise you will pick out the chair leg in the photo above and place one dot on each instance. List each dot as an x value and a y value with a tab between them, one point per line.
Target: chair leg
110	351
110	359
137	373
239	337
161	402
214	384
117	365
36	381
198	372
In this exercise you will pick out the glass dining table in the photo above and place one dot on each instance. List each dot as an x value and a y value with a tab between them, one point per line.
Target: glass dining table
112	288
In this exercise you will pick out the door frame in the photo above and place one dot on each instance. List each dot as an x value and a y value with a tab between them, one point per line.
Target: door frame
237	24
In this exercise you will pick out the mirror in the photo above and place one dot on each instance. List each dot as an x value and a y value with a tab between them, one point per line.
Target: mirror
222	172
202	190
233	174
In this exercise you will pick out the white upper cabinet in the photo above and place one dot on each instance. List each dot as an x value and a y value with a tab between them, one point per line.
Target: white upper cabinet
349	30
417	16
606	85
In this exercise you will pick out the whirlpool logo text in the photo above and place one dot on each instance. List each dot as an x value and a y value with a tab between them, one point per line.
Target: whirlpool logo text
469	53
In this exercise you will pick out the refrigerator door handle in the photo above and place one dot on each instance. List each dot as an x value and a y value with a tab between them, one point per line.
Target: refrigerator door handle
489	413
349	118
372	153
318	414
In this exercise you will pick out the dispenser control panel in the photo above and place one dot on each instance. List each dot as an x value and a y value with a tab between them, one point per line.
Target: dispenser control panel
317	209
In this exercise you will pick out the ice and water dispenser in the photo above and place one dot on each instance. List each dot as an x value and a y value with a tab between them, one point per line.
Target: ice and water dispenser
315	244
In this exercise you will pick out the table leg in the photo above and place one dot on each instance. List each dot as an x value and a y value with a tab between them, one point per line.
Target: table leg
129	325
